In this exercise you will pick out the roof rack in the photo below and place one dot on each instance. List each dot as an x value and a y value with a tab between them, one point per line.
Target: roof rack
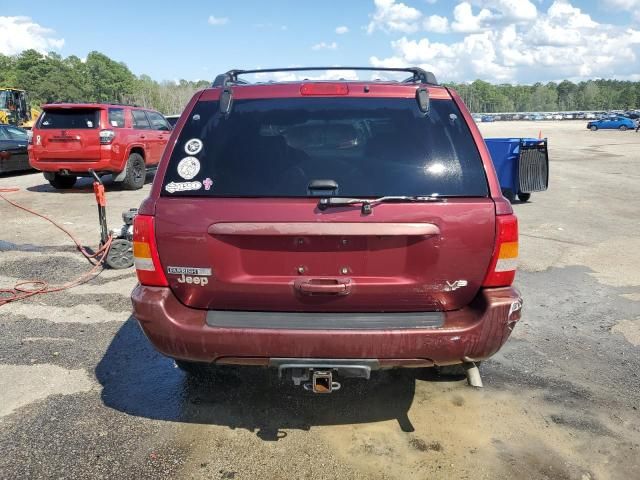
418	75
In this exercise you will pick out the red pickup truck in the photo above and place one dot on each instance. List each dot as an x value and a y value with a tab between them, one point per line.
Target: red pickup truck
69	139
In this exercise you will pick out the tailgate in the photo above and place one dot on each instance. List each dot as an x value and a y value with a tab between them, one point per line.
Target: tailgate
286	255
68	134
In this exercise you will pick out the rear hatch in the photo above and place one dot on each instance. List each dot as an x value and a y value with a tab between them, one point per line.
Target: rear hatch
239	224
68	133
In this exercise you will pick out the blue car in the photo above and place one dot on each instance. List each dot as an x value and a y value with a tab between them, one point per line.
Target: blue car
621	123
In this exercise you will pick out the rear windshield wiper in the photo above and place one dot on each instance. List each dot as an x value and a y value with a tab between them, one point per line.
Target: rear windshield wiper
369	203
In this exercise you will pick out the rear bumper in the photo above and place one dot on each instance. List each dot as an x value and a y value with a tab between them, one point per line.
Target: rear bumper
78	167
471	334
108	162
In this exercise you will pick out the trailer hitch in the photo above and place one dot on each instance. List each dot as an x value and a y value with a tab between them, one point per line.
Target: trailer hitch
322	382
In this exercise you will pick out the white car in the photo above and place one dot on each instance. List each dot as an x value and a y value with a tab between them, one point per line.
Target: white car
557	116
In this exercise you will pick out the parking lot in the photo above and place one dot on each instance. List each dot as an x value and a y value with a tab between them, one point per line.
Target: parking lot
84	395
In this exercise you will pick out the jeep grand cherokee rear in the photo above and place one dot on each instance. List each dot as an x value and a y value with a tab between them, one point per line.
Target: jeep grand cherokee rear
332	227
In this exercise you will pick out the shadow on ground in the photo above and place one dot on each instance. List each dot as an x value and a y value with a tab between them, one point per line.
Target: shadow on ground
139	381
85	185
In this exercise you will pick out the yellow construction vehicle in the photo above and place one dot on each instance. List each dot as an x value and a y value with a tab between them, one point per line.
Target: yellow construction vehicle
15	109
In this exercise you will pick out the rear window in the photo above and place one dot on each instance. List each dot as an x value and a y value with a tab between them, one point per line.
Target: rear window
76	118
370	147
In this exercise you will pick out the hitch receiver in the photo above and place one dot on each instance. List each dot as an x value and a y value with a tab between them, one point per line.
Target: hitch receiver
322	382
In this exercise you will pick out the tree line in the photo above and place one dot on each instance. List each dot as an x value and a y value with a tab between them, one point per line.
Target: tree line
565	96
53	78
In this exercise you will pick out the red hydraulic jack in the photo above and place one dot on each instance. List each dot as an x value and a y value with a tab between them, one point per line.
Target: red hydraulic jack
120	254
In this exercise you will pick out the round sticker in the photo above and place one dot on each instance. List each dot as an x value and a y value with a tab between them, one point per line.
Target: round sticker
188	167
193	146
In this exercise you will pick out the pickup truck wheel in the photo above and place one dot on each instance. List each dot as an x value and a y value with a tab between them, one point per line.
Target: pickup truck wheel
63	182
524	197
623	128
593	128
136	172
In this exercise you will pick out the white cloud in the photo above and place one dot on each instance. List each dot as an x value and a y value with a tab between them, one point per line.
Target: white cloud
341	30
21	33
466	22
217	21
555	44
632	6
390	16
509	10
325	46
436	24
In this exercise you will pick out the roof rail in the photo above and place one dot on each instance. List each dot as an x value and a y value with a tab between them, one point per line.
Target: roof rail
418	75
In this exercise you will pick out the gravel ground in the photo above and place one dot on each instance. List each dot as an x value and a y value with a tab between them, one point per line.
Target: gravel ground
83	395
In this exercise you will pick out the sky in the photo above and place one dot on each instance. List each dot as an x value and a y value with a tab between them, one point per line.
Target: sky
501	41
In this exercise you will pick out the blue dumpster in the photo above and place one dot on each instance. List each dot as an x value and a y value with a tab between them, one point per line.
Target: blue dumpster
522	165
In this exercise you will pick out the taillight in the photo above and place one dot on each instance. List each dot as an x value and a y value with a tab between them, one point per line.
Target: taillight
502	269
107	136
145	253
30	137
324	89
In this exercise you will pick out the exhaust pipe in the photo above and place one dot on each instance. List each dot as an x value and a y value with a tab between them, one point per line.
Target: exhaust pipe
473	374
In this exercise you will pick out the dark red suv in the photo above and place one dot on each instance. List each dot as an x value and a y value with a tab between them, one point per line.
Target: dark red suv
70	139
326	229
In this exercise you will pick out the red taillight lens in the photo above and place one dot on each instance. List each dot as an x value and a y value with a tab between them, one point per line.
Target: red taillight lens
145	253
502	269
107	136
324	89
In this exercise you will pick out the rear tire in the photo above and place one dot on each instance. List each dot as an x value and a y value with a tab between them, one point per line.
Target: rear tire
623	128
63	182
524	197
136	173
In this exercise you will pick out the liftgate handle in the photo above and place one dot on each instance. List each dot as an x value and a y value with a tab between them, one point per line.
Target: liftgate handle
323	286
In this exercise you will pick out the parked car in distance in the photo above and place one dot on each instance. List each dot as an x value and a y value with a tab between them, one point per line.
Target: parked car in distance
310	228
172	119
589	115
556	116
13	149
488	118
621	123
538	117
70	139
